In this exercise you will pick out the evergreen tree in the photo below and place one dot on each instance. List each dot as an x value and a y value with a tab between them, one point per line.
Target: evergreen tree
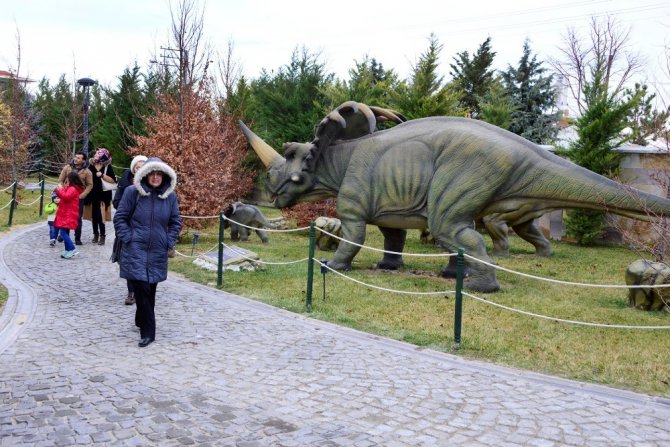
290	103
497	106
61	117
425	93
123	115
600	131
646	121
534	98
368	83
473	76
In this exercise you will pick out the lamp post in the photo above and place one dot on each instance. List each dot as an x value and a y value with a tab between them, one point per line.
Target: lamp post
86	83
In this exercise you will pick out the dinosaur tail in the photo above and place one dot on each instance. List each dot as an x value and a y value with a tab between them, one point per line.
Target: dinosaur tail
571	186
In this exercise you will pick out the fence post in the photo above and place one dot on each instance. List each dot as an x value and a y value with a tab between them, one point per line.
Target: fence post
310	267
41	194
219	268
458	310
13	205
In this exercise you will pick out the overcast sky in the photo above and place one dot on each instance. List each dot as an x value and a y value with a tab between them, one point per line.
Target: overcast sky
99	38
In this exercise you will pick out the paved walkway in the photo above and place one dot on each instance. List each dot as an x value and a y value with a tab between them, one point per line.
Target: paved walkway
227	371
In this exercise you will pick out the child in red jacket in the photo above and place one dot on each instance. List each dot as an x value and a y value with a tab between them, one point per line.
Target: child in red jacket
67	216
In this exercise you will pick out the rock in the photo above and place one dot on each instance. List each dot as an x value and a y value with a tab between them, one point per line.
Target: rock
235	259
643	272
332	225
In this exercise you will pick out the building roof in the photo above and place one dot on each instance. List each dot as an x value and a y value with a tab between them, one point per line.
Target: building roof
9	75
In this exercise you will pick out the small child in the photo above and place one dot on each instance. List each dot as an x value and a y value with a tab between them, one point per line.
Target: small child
50	210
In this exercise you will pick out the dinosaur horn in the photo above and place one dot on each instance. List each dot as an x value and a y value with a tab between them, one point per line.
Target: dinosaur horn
264	150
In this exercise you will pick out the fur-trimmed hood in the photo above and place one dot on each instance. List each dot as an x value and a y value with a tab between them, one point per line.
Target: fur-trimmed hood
155	164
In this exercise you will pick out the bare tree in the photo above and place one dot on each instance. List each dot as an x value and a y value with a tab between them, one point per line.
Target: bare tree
605	54
187	40
229	70
19	134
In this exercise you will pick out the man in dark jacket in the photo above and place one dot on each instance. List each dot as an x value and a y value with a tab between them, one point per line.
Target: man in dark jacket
148	223
80	166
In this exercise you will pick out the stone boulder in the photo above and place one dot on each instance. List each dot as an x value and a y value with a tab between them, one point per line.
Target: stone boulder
333	226
643	272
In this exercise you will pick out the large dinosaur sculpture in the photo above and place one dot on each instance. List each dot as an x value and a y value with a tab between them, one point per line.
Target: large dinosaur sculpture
440	173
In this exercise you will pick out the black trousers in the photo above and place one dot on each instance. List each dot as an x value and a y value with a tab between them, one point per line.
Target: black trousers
145	300
97	219
77	231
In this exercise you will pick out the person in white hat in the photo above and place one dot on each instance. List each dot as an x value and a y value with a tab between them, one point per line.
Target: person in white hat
126	180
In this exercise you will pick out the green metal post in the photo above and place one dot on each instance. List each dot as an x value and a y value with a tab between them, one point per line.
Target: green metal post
13	204
219	270
41	194
310	267
458	311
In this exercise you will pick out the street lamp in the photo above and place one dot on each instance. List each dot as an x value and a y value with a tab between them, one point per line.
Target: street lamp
86	83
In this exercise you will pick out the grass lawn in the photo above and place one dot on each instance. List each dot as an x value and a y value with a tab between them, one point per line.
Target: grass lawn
626	358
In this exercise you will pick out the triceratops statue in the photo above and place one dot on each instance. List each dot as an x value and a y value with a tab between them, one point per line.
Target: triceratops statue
440	173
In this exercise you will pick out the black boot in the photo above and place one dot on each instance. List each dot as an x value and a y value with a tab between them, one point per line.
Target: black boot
102	240
95	239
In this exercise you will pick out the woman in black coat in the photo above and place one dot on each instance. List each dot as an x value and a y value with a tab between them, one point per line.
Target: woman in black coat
148	223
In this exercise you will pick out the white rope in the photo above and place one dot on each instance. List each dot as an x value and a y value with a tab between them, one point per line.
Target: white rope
273	230
560	320
241	255
382	288
427	255
199	217
7	204
9	187
31	203
567	283
196	256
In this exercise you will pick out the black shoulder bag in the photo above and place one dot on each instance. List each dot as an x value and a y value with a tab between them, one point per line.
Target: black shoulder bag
116	246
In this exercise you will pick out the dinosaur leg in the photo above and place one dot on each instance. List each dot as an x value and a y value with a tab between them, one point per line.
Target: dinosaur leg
394	240
482	278
263	235
451	269
498	230
351	231
530	232
234	232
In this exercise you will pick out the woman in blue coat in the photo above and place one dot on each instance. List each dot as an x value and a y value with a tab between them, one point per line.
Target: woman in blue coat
148	224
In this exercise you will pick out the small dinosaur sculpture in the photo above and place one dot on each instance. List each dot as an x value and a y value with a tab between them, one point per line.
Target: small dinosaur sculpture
441	173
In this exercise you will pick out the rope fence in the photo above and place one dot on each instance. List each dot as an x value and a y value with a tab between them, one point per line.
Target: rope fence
459	292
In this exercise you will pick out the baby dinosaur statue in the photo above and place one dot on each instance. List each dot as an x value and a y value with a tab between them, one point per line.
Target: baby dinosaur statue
441	173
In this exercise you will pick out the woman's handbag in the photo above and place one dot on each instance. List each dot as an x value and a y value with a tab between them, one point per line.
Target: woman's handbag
116	246
116	250
107	186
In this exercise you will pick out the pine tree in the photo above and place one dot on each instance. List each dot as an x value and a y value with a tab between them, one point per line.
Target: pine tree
368	83
473	76
600	131
425	93
122	117
534	98
60	117
290	103
497	106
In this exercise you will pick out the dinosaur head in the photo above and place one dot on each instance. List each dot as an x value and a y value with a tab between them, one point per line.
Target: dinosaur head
288	178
